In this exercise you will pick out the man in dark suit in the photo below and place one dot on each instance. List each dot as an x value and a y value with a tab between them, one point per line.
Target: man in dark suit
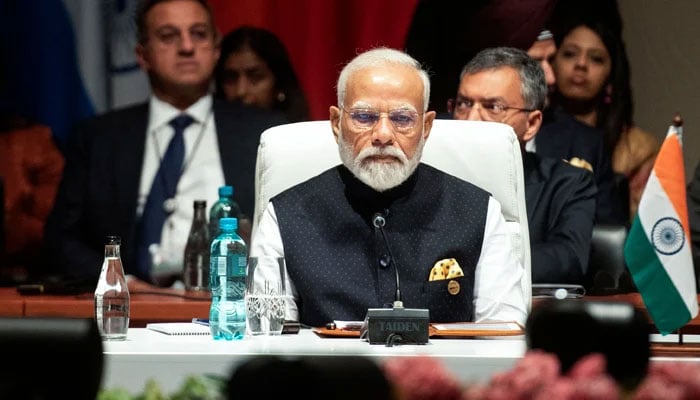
506	85
562	136
116	177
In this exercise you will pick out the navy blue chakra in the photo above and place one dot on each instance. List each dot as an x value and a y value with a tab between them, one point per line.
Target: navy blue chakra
667	236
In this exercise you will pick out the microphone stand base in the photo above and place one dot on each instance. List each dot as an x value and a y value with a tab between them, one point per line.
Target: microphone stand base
396	325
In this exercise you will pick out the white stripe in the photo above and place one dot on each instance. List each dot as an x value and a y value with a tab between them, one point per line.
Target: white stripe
654	205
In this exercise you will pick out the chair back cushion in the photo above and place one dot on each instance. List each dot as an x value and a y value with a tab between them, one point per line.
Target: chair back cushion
607	269
486	154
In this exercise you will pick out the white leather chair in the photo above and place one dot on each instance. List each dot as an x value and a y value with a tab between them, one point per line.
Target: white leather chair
486	154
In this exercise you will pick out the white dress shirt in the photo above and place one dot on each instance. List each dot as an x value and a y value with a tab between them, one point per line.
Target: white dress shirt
200	180
498	294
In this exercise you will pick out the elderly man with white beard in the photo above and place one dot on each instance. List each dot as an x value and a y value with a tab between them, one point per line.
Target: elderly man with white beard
340	263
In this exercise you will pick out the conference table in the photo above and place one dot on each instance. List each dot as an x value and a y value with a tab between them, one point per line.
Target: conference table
169	360
152	304
147	354
148	304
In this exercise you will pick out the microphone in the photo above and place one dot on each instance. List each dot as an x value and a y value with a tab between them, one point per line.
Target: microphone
397	324
379	221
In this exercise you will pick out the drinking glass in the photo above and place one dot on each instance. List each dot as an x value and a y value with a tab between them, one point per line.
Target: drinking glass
265	295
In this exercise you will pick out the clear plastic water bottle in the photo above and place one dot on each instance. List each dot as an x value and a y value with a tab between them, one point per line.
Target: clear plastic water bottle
225	207
196	258
112	294
227	283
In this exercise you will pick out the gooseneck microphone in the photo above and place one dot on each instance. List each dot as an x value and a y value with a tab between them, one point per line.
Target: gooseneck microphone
379	220
397	324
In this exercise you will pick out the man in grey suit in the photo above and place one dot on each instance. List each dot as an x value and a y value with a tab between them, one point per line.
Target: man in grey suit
506	85
115	162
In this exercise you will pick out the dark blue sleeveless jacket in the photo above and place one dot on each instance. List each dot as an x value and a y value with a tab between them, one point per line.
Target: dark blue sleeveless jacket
337	259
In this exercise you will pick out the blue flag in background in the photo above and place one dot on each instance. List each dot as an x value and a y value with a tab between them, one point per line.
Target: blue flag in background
39	71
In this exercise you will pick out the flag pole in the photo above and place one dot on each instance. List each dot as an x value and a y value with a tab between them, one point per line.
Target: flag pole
678	122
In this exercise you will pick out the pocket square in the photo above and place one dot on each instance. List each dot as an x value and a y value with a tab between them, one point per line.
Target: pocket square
447	268
581	163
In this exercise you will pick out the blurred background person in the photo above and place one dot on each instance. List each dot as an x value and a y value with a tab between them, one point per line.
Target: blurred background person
445	37
563	136
30	168
543	50
255	69
593	84
135	171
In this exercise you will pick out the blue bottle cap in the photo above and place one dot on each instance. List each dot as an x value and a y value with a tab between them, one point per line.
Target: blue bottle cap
228	224
226	191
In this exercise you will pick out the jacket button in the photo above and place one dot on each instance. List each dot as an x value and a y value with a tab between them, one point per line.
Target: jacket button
384	260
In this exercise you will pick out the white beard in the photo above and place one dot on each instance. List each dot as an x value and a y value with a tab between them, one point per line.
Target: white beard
380	176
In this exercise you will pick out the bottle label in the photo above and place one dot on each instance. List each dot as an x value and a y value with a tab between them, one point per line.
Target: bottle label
238	266
221	265
233	265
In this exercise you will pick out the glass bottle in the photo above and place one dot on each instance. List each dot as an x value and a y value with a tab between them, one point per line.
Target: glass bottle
227	283
112	294
196	258
224	207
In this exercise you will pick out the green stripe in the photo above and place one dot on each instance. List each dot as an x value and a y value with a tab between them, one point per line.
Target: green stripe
663	302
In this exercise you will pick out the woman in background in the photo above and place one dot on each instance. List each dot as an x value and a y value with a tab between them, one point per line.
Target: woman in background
593	84
254	69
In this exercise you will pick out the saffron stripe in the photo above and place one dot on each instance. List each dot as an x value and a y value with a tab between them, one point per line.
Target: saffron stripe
670	171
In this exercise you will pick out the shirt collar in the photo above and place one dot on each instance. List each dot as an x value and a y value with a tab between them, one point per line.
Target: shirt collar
161	112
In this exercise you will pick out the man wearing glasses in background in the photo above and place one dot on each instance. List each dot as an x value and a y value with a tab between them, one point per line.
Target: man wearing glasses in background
135	172
506	85
327	228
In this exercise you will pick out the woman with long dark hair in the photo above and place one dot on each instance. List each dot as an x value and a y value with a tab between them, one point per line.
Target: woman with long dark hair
593	84
254	68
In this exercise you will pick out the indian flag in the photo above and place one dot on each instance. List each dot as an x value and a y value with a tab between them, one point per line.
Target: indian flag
657	250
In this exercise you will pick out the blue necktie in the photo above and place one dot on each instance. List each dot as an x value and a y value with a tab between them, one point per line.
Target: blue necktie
164	188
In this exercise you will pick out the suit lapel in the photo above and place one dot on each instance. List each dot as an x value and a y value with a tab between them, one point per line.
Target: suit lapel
226	141
534	184
129	144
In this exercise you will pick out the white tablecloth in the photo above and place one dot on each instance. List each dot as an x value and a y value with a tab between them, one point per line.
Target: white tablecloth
169	359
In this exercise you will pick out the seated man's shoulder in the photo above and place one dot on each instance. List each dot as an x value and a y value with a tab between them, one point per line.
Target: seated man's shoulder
113	123
449	180
565	124
309	187
117	117
552	168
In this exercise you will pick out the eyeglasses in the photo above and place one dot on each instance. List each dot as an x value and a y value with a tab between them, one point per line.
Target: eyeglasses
494	110
364	118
